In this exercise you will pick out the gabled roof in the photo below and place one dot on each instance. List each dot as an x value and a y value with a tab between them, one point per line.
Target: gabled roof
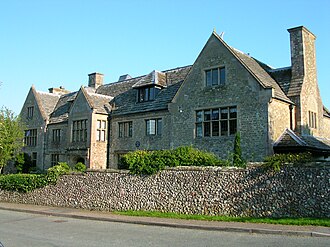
62	108
46	102
290	141
256	70
99	102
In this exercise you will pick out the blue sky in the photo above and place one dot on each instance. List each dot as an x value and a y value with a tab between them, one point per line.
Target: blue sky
52	43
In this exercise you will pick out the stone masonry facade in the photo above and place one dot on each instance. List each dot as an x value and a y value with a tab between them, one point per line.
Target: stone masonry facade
225	91
292	192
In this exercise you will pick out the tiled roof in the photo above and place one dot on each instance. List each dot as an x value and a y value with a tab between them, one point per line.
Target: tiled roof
326	112
101	103
283	77
125	102
260	73
48	102
154	78
61	111
290	140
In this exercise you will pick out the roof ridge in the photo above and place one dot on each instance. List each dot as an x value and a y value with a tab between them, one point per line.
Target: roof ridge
141	76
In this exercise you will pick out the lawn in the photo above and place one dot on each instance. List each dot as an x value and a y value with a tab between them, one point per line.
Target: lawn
283	221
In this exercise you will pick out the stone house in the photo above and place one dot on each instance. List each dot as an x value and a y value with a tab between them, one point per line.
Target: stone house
225	91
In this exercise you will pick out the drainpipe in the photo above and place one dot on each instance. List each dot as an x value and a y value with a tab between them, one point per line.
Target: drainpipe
291	120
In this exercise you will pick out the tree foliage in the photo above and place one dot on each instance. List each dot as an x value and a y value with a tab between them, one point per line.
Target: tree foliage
11	136
237	154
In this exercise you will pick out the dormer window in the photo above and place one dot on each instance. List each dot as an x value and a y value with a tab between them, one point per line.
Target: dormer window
147	93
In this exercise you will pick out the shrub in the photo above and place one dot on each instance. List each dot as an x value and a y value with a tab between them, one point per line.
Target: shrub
277	161
54	172
22	182
238	160
29	182
150	162
79	167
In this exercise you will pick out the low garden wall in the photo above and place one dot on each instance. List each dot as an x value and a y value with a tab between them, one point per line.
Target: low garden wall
291	192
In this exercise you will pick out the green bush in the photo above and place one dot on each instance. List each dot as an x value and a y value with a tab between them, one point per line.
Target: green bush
22	182
29	182
79	167
150	162
277	161
54	172
238	160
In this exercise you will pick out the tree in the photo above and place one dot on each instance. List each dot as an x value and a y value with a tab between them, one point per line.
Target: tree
11	136
237	155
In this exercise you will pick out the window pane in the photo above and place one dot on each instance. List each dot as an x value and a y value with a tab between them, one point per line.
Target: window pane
120	130
224	113
130	132
98	135
215	74
99	124
207	115
103	135
141	95
146	94
151	93
215	114
208	78
224	128
199	116
159	127
104	124
207	129
215	128
233	112
199	130
151	127
222	76
232	127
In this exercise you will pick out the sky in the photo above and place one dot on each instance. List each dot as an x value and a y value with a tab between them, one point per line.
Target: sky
52	43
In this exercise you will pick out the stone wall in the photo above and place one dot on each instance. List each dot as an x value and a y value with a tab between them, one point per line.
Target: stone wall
240	90
295	192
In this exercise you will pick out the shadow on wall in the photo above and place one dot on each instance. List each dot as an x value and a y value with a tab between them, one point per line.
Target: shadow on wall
279	194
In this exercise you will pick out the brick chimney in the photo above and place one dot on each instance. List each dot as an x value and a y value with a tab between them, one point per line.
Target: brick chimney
95	80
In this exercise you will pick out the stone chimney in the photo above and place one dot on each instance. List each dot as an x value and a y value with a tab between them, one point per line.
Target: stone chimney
303	59
95	80
304	91
61	90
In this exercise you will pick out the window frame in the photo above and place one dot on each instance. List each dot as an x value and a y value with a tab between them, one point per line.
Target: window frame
312	120
30	137
55	158
56	135
209	74
148	93
125	129
30	112
79	130
156	128
216	122
34	158
101	128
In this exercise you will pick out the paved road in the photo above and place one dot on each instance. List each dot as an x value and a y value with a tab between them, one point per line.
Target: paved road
24	229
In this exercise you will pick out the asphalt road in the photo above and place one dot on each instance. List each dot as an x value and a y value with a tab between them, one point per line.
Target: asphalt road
24	229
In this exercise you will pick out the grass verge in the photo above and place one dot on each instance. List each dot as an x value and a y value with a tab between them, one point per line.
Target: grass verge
283	221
